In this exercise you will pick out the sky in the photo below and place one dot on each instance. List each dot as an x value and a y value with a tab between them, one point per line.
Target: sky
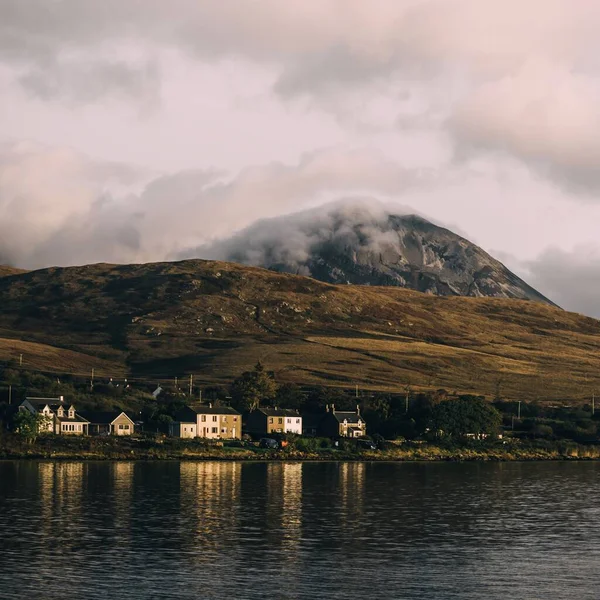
132	130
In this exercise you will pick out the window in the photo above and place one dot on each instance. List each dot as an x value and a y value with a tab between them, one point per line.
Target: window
120	426
215	430
223	429
234	419
215	418
224	419
289	420
270	419
126	426
280	420
298	421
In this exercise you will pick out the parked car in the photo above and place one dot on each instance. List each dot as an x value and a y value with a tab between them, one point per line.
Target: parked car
366	445
268	443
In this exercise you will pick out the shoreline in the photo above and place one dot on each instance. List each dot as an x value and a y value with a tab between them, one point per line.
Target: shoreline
413	453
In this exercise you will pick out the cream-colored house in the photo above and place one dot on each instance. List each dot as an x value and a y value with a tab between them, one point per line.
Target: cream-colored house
183	429
58	416
274	420
213	423
109	423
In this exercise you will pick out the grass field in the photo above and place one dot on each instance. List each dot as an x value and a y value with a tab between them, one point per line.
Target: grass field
215	320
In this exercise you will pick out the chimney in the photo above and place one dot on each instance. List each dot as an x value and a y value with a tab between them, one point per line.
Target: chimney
210	405
358	409
333	408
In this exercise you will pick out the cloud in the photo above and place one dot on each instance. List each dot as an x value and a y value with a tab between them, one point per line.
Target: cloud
60	207
545	116
570	278
289	242
81	81
519	78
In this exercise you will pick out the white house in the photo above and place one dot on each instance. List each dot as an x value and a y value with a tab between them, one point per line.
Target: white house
58	416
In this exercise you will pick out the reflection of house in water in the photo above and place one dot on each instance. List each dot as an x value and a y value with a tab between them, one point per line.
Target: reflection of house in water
291	524
351	495
61	493
209	491
122	473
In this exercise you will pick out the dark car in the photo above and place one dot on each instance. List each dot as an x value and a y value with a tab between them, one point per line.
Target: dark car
268	443
366	445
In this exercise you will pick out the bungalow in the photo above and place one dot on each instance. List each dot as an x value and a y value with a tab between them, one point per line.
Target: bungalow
337	423
109	423
58	416
211	422
264	421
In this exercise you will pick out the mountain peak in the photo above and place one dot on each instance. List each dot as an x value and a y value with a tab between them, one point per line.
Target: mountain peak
369	244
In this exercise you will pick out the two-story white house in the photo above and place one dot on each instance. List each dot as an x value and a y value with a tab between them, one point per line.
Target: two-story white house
57	416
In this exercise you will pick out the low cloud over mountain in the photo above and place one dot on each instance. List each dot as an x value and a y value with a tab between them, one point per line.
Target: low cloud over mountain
369	243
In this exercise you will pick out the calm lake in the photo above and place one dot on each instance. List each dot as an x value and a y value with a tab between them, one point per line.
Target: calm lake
296	531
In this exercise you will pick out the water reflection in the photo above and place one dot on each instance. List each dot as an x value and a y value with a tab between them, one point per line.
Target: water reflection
298	531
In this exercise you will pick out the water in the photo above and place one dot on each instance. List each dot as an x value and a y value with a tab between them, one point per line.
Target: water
299	531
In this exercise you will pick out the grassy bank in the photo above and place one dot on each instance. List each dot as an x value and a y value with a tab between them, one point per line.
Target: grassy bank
89	448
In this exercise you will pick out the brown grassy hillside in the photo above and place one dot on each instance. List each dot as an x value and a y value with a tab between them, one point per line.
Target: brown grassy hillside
5	270
216	319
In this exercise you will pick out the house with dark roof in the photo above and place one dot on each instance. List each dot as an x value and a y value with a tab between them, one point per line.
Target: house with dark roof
265	421
108	423
207	421
343	423
58	416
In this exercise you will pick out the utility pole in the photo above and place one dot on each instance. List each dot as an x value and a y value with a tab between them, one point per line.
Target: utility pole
10	394
357	390
175	383
200	395
20	360
593	404
191	384
92	380
519	411
407	396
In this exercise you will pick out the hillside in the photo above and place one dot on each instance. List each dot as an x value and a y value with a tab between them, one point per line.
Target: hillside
363	243
216	319
5	270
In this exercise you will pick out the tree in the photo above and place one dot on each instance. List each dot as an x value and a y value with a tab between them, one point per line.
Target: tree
289	395
467	414
252	388
27	424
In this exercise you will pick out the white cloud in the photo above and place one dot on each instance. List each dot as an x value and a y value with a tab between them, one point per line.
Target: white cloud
58	207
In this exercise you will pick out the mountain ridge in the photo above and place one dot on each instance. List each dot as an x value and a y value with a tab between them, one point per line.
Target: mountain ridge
368	245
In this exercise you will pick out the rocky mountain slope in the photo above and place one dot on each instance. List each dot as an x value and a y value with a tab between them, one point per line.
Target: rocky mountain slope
215	319
366	244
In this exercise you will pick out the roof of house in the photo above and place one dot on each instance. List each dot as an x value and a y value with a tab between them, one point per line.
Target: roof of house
350	416
201	409
77	419
50	402
103	417
185	415
279	412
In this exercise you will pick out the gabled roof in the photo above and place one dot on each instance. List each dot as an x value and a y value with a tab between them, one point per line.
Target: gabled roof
350	416
77	419
103	417
185	415
201	409
279	412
